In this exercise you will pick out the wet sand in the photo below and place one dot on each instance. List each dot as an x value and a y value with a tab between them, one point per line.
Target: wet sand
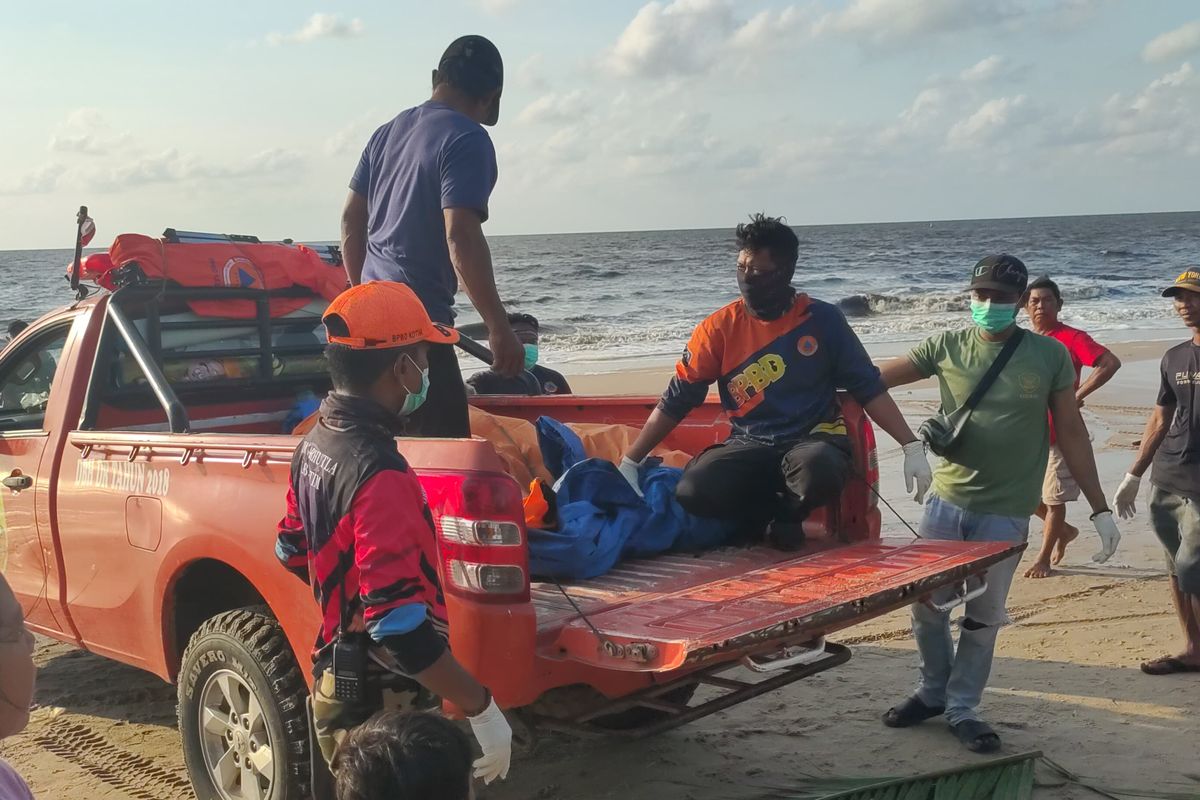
1065	680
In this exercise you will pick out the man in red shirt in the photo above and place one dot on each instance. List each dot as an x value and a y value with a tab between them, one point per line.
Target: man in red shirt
1043	303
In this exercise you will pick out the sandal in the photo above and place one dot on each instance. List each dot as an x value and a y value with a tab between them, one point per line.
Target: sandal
911	712
1168	665
977	735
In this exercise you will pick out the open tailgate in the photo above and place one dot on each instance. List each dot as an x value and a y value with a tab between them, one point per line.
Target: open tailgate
656	614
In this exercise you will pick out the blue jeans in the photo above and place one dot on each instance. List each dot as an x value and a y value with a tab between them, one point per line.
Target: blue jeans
956	678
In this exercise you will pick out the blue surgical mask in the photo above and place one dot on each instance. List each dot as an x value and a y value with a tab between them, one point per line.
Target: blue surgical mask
415	399
531	355
993	317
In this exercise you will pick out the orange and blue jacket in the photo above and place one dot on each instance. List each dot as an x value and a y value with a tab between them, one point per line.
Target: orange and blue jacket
777	378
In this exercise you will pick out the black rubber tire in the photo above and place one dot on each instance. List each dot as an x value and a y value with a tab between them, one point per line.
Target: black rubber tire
571	701
250	642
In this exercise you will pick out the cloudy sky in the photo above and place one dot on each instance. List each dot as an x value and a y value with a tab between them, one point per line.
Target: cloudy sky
248	117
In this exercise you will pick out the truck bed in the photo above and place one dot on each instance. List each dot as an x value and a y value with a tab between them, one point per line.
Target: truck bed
660	613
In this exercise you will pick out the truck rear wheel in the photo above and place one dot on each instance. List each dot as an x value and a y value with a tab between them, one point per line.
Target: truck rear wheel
242	712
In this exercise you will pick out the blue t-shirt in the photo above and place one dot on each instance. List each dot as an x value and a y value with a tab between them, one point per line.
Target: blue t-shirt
427	159
777	378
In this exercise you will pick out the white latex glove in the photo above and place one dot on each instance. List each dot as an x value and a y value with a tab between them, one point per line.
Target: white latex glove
916	470
1126	497
495	740
629	471
1106	526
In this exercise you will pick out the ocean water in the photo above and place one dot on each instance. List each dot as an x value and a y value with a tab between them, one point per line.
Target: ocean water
637	295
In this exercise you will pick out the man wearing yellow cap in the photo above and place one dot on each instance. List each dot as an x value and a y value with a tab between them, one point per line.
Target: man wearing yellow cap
1171	442
358	529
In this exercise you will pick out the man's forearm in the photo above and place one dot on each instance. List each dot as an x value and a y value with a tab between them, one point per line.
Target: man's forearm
472	260
1102	374
886	414
1152	437
447	679
658	426
1080	460
354	252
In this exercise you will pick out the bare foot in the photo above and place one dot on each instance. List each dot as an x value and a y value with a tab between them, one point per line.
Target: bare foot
1070	534
1040	569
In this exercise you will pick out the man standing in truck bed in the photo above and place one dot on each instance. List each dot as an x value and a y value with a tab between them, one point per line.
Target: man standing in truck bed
358	529
415	214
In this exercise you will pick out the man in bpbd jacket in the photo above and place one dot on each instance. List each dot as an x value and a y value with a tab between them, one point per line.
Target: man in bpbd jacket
778	358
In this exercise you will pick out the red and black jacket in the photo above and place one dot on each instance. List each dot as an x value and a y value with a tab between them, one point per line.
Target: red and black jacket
359	531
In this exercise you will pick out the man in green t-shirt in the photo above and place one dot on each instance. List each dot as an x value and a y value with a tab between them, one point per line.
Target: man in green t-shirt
990	484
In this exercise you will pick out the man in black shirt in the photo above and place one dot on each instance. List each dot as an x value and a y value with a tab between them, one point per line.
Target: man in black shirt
1171	442
534	379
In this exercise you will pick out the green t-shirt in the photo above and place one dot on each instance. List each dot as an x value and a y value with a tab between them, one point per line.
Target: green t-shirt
1000	461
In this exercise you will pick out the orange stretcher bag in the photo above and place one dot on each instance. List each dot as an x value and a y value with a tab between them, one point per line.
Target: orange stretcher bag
239	265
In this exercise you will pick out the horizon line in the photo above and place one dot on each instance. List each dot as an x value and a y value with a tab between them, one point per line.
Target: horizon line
717	228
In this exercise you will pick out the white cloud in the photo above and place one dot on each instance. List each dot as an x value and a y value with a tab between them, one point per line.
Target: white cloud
993	120
497	6
531	72
1161	120
170	166
555	108
986	70
677	38
1182	41
352	138
319	26
885	22
690	37
39	181
86	132
767	29
889	23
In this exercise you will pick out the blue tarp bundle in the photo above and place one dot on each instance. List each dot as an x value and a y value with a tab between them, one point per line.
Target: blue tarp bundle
602	520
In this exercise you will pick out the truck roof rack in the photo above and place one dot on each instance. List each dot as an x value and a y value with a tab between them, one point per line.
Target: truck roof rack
148	352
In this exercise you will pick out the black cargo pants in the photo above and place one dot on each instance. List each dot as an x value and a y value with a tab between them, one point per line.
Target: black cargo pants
757	484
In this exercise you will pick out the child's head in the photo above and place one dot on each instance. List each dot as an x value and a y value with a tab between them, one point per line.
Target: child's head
404	755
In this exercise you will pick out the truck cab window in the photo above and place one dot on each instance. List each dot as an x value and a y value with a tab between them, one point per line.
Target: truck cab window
25	379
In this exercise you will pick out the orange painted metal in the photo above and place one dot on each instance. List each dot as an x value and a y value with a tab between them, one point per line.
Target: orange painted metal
91	574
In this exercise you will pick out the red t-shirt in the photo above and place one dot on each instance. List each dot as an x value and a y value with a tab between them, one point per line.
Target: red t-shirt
1085	352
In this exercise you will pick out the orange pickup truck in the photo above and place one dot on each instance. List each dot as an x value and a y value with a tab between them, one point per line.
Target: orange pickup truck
144	473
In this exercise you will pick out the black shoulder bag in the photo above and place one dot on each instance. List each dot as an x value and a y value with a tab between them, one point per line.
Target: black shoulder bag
941	433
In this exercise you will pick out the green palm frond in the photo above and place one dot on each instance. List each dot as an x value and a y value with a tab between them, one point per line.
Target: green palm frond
1010	778
1002	779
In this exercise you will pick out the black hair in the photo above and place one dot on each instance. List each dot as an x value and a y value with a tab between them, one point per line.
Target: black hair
526	319
1044	282
404	755
16	326
356	371
773	235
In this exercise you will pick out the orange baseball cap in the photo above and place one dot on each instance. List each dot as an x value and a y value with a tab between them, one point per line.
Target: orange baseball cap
380	315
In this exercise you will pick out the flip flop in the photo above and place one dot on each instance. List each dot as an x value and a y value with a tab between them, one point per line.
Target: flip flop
1168	665
911	712
977	735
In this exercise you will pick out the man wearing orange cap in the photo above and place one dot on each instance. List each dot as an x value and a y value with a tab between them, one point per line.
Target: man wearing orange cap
359	531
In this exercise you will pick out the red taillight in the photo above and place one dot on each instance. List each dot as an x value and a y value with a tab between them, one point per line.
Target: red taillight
481	532
872	462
